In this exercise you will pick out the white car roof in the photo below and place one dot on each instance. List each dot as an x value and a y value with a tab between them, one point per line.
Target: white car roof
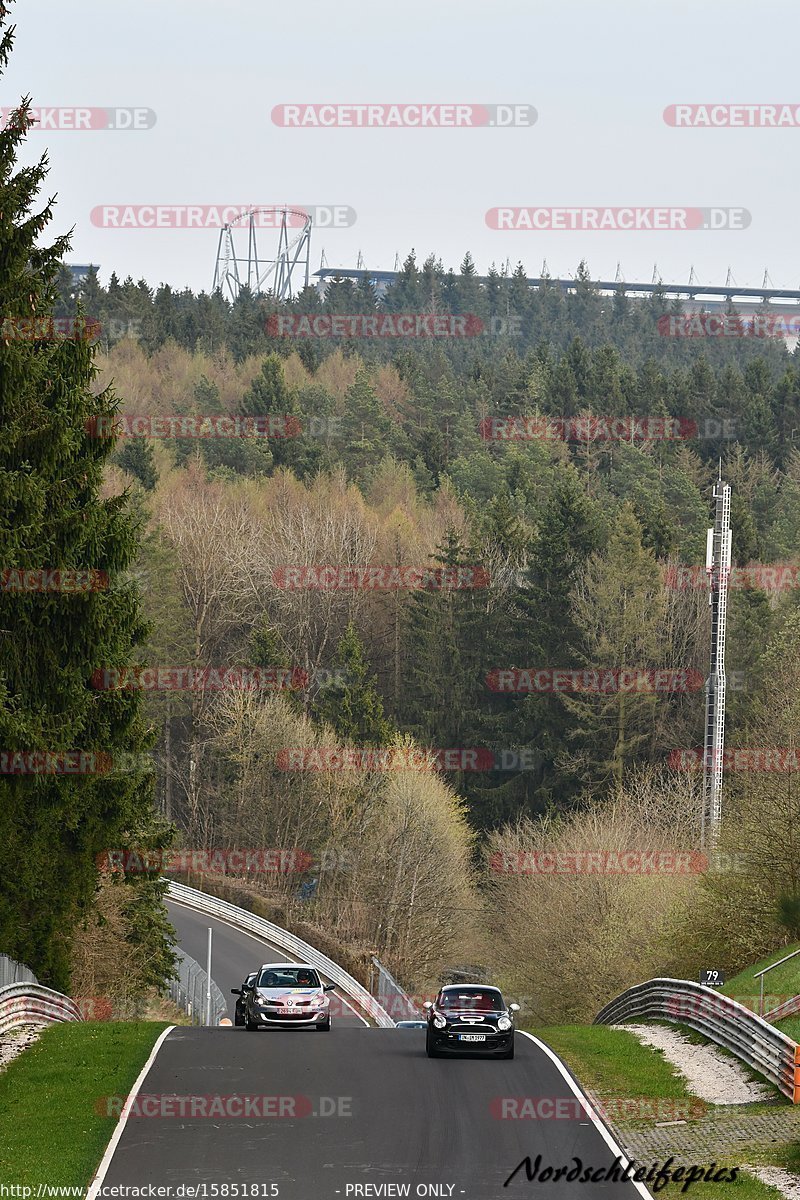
284	966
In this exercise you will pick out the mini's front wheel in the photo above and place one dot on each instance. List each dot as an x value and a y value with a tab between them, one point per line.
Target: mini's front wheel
430	1049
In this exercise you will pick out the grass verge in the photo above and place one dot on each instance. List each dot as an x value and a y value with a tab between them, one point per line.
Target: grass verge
779	985
50	1128
746	1187
614	1063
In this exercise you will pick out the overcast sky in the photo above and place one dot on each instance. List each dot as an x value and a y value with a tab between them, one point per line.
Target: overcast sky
598	74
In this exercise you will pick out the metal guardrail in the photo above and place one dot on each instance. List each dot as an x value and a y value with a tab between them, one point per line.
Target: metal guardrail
392	997
760	976
789	1008
188	990
12	971
286	941
758	1044
31	1004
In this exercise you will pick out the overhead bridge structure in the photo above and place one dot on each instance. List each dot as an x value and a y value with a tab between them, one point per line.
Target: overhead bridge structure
693	295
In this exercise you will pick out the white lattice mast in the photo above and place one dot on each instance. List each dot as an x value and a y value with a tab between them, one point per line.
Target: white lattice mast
718	566
275	275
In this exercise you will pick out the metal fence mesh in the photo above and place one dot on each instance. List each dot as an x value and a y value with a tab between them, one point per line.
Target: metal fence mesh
13	972
188	991
390	995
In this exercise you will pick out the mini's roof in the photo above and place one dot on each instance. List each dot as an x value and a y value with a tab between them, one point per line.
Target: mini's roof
283	966
474	987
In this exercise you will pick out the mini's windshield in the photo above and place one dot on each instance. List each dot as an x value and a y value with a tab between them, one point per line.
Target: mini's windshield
475	998
277	977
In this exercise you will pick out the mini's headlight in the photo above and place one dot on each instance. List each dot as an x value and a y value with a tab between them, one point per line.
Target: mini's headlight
504	1023
439	1021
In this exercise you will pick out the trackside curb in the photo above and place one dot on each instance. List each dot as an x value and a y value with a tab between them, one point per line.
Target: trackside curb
105	1162
605	1132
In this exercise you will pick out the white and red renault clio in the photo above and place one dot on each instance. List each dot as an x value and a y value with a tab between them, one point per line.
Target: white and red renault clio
288	995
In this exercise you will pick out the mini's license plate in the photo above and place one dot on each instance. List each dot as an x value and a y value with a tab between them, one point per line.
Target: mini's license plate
472	1037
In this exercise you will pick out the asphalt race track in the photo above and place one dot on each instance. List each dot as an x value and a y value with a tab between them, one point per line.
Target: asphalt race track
234	954
345	1112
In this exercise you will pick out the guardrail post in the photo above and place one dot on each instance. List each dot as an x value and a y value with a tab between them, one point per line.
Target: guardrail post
796	1092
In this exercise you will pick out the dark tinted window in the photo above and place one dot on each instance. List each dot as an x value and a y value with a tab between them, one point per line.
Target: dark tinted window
275	977
479	999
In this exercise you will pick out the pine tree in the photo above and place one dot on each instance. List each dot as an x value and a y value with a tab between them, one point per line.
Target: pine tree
351	703
543	633
444	675
619	609
365	426
136	456
53	826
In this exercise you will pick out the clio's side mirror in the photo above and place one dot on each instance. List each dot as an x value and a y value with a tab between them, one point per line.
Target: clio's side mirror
329	987
513	1008
427	1004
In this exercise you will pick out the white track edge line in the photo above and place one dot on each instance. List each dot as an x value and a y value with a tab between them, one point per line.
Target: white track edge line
105	1161
603	1129
256	938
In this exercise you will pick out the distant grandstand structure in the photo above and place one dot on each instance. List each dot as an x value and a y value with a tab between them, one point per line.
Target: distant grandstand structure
694	295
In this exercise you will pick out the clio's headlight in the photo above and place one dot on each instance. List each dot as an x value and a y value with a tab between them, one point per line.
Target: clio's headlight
504	1023
439	1021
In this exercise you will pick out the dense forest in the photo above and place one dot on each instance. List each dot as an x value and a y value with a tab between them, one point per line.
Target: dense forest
556	458
582	544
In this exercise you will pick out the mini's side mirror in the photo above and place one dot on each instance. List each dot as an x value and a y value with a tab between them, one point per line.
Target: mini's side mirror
513	1008
236	991
428	1004
329	987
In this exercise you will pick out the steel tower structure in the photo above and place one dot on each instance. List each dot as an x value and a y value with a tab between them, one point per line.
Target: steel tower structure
273	275
718	566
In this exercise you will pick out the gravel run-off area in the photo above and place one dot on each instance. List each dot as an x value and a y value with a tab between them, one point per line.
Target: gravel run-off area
711	1075
15	1041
